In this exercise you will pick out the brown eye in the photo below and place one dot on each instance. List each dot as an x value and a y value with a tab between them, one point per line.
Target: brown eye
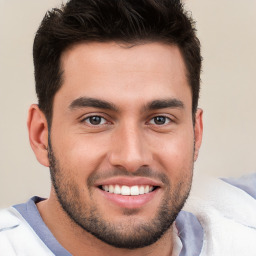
95	120
160	120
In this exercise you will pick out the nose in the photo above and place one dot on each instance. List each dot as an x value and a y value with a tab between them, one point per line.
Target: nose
129	148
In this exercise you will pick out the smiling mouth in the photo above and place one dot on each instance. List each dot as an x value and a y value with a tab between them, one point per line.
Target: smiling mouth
128	190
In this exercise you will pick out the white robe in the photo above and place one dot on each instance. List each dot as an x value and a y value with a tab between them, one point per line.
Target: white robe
227	215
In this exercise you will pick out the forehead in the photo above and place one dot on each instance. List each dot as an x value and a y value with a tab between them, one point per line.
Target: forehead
105	70
124	58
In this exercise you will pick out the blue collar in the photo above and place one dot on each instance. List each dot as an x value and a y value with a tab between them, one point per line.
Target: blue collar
189	229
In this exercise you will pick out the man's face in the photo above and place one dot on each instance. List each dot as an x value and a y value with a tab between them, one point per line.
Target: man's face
122	140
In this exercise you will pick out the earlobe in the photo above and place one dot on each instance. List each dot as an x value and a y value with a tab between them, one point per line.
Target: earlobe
38	134
198	131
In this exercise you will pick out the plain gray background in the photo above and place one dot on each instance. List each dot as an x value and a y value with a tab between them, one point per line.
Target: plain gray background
227	32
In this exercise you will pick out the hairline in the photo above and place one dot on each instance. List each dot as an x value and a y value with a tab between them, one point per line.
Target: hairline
122	43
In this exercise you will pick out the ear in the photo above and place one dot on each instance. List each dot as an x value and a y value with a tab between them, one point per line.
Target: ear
198	131
38	134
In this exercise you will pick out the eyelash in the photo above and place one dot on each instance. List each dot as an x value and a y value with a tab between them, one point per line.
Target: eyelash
88	121
161	116
95	116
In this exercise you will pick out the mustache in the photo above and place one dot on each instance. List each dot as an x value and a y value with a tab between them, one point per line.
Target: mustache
141	172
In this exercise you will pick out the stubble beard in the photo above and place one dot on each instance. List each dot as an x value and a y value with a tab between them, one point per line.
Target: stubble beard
131	234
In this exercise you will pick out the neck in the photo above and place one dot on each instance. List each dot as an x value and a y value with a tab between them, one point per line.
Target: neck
79	242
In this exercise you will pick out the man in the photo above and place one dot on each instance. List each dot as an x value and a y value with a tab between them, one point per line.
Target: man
117	123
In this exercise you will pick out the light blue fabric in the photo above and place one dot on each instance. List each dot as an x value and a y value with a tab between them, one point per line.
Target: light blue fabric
246	183
190	233
32	216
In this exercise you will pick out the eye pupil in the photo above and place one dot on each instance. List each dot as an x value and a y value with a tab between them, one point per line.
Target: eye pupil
159	120
95	120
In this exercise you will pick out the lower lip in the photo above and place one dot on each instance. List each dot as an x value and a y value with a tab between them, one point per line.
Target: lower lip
129	202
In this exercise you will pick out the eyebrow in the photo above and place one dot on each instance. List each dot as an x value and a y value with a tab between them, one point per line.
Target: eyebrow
166	103
97	103
91	102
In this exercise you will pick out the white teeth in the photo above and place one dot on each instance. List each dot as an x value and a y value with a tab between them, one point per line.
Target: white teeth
128	191
117	190
135	191
106	188
125	191
111	189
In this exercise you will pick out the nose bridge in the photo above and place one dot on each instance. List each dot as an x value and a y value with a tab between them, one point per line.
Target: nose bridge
129	149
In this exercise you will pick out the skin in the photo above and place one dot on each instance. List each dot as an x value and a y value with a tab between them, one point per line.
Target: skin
128	137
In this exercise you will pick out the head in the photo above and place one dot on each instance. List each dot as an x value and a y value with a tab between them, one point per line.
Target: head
117	122
123	21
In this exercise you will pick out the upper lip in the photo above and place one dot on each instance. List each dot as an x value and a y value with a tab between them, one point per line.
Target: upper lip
129	181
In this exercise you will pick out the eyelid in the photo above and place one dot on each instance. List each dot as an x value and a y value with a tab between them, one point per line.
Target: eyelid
168	116
84	117
167	121
102	119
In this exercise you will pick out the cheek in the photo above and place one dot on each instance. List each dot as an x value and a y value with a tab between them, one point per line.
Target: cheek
80	153
175	153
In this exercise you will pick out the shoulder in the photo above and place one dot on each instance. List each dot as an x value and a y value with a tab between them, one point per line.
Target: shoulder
8	219
9	222
233	198
226	210
15	233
